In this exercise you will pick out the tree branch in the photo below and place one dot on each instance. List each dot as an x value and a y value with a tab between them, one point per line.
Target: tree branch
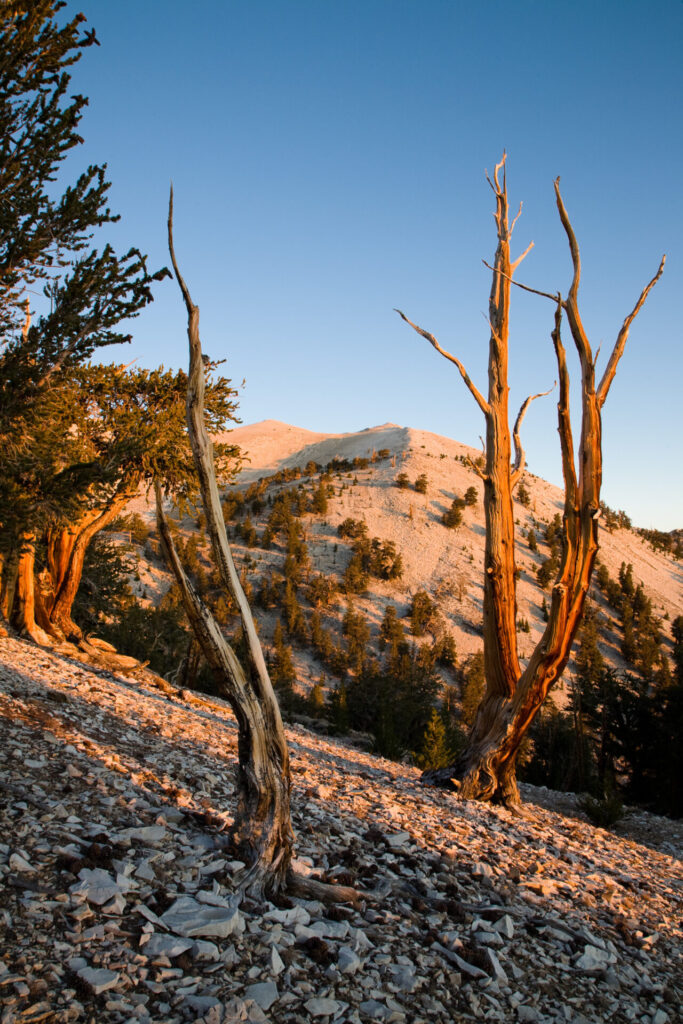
179	277
572	305
519	259
573	244
524	287
478	397
564	424
622	337
520	458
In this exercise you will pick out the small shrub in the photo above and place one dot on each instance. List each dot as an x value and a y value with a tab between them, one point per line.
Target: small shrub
603	812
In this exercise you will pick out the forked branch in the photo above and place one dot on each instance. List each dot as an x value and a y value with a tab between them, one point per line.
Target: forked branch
520	457
478	397
620	344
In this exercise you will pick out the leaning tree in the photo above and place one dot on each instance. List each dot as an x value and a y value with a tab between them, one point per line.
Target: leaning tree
262	831
514	694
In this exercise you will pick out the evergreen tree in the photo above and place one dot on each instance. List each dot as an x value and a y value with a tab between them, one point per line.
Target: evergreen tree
473	685
452	518
435	751
422	611
677	634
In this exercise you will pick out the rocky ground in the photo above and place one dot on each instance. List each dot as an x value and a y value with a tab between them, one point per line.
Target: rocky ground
115	881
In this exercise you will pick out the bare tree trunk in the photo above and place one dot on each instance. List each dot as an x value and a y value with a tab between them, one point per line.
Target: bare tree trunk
262	827
486	770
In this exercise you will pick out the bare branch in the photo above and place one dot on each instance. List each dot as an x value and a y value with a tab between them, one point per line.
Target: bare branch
573	244
620	344
519	259
572	305
475	467
478	397
179	277
524	287
514	220
564	424
27	322
496	188
520	457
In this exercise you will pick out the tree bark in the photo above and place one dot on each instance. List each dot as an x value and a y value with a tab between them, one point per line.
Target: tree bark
23	613
67	548
262	825
486	769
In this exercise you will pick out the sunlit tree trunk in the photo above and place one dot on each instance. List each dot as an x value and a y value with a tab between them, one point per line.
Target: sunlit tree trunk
486	769
23	613
67	548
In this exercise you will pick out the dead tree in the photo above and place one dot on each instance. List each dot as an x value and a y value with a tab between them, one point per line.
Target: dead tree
486	769
262	826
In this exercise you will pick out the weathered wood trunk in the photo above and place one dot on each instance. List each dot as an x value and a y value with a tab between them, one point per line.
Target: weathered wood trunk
262	825
513	695
262	831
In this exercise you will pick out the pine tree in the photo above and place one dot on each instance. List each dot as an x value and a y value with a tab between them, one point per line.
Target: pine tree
435	751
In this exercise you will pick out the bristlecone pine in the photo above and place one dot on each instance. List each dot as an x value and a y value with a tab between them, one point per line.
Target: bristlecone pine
486	769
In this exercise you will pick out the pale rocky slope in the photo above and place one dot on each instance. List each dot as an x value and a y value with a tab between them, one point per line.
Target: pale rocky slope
446	563
115	797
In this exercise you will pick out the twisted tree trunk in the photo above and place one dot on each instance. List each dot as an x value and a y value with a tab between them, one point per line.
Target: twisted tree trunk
262	825
66	551
513	695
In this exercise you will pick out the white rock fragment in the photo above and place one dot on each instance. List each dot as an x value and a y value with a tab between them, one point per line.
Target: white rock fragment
19	863
398	839
264	993
593	959
292	916
190	918
166	945
505	926
276	964
322	1007
97	885
205	951
99	979
498	972
527	1014
348	960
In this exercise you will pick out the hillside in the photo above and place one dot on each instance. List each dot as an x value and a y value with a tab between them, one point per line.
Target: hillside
446	563
116	798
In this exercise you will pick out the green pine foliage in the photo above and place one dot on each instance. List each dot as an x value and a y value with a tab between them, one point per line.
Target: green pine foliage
436	751
453	516
422	613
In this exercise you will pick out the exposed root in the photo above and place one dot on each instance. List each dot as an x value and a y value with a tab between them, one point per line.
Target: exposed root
310	888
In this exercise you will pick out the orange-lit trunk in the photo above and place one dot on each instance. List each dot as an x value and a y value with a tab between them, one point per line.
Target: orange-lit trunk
23	613
486	770
67	548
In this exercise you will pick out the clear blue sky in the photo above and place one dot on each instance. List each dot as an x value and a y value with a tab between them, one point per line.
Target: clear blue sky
328	160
